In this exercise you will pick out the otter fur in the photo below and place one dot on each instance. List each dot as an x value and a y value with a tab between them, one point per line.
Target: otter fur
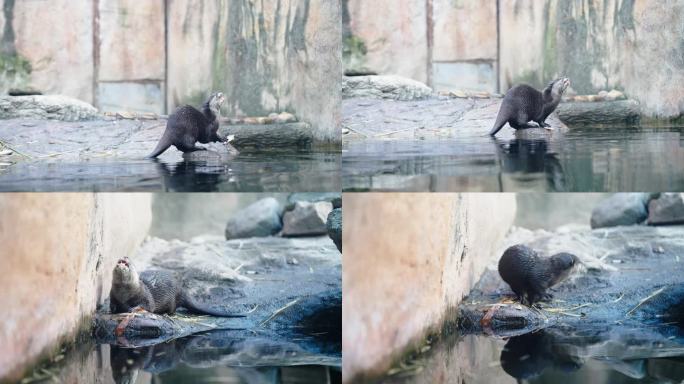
530	275
155	291
187	126
523	104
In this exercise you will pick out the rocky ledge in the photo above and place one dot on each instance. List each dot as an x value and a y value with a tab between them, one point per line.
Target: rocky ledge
290	288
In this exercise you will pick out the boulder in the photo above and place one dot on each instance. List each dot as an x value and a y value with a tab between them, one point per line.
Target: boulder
384	87
306	219
334	226
259	219
312	197
617	112
55	107
620	209
667	209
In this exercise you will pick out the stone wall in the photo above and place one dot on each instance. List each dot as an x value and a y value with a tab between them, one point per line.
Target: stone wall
155	55
630	45
266	56
57	255
408	259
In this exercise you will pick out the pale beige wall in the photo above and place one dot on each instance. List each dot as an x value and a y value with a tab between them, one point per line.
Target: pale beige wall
57	39
395	34
407	259
58	250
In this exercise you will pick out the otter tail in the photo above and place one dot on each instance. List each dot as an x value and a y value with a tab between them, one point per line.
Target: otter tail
163	144
501	120
190	304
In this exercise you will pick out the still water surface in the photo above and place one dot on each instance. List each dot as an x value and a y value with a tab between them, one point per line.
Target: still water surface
585	159
247	172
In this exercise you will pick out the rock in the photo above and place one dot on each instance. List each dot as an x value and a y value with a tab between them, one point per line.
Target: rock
214	152
56	107
458	94
285	117
334	227
615	95
598	113
259	219
313	197
269	136
620	209
384	87
667	209
306	219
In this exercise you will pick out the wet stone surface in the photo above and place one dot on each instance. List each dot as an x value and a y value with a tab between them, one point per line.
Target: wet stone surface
99	155
291	290
619	318
441	144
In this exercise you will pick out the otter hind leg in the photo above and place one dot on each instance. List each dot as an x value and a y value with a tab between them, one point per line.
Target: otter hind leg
188	145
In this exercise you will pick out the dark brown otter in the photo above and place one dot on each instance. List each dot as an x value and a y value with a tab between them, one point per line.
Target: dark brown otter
530	275
155	291
523	104
187	126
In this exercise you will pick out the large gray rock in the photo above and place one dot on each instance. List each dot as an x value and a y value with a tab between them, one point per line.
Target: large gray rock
334	226
620	209
307	219
599	113
384	87
259	219
55	107
667	209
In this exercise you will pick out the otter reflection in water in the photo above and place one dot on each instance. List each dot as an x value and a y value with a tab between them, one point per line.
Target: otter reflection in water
526	357
530	156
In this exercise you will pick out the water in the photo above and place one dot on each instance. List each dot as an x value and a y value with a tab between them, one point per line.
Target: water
188	360
247	172
541	358
586	159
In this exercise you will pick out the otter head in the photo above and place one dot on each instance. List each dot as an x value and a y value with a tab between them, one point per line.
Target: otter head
125	273
561	266
215	101
558	86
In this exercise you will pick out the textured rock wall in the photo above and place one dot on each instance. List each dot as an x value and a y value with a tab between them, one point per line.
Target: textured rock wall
393	34
632	45
57	256
409	258
150	57
48	46
266	57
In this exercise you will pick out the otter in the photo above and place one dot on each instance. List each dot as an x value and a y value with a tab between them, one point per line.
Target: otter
523	103
530	275
187	125
155	291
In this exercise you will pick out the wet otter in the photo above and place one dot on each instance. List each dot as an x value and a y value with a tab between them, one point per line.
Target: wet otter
523	103
154	291
530	275
187	125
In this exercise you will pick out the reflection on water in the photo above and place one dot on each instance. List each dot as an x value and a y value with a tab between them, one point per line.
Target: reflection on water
548	358
254	172
584	159
187	360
